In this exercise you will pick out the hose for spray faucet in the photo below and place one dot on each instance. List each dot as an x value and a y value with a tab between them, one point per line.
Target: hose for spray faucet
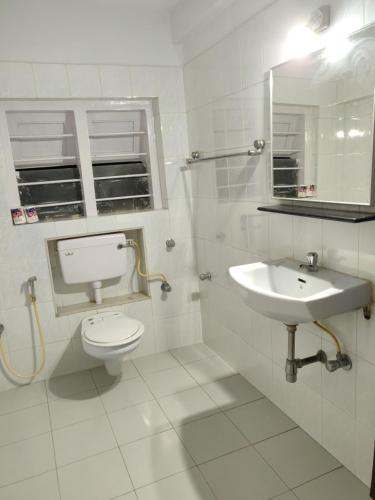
165	286
3	353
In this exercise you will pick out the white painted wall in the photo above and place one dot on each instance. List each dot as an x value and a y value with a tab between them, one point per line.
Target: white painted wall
86	31
227	100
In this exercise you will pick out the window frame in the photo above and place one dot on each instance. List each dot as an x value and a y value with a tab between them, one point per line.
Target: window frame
79	109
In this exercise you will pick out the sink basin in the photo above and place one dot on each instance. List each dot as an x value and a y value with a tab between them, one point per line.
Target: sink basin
281	290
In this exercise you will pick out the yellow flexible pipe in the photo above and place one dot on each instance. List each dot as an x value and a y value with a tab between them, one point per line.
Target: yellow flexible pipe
135	245
331	334
4	355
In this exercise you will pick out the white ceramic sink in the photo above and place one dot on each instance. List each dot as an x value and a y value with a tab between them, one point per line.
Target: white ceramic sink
281	290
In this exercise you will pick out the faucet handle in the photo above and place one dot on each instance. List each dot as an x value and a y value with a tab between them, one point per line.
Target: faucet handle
312	258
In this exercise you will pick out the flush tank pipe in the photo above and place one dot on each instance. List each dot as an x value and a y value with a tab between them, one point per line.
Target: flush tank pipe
97	287
165	285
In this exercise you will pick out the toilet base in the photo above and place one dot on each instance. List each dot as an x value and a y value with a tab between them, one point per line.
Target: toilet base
114	366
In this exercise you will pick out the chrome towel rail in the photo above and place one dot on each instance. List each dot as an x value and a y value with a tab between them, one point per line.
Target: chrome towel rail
259	145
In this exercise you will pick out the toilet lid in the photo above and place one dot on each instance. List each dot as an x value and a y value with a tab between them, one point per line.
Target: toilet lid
110	328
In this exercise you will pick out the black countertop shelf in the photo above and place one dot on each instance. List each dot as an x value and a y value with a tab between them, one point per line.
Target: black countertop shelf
353	217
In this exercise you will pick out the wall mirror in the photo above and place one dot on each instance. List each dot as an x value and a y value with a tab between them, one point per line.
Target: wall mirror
322	108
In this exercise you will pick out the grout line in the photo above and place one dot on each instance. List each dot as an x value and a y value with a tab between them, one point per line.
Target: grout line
192	467
271	467
79	422
173	427
246	403
54	448
341	466
199	464
276	435
27	479
25	439
63	466
196	468
282	494
121	454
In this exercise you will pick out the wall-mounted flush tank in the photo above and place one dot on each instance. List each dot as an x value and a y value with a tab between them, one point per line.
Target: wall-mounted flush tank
91	259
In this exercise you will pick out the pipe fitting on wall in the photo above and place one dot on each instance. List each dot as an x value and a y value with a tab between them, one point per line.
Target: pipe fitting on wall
293	364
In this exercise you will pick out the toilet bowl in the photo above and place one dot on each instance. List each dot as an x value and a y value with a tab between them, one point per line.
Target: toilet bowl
109	336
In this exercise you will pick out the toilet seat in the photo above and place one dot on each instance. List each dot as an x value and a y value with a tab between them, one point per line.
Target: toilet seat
111	329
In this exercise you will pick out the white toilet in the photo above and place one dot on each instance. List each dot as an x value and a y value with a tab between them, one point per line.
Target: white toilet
109	336
91	259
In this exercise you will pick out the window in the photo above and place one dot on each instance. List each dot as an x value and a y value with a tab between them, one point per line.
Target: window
71	158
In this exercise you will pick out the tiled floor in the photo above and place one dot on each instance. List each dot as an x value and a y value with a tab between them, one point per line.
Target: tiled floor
179	425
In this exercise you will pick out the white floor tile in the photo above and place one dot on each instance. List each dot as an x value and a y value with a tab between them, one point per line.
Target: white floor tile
208	370
138	422
22	397
101	477
169	381
187	406
156	457
296	457
38	488
260	420
82	440
26	459
232	391
187	485
125	394
240	474
84	406
337	485
286	496
24	424
129	496
211	437
190	353
67	385
102	378
155	362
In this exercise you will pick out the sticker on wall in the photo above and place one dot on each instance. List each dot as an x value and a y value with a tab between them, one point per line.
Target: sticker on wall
18	216
31	215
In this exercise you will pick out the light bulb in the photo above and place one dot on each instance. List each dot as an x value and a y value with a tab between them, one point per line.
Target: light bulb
300	42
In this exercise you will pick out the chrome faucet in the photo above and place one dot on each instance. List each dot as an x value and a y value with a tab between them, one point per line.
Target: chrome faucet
312	262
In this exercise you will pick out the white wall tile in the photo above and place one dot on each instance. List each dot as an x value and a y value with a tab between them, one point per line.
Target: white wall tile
51	80
340	246
174	134
84	80
281	236
307	235
165	83
309	411
16	80
339	434
365	411
115	81
364	451
369	11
